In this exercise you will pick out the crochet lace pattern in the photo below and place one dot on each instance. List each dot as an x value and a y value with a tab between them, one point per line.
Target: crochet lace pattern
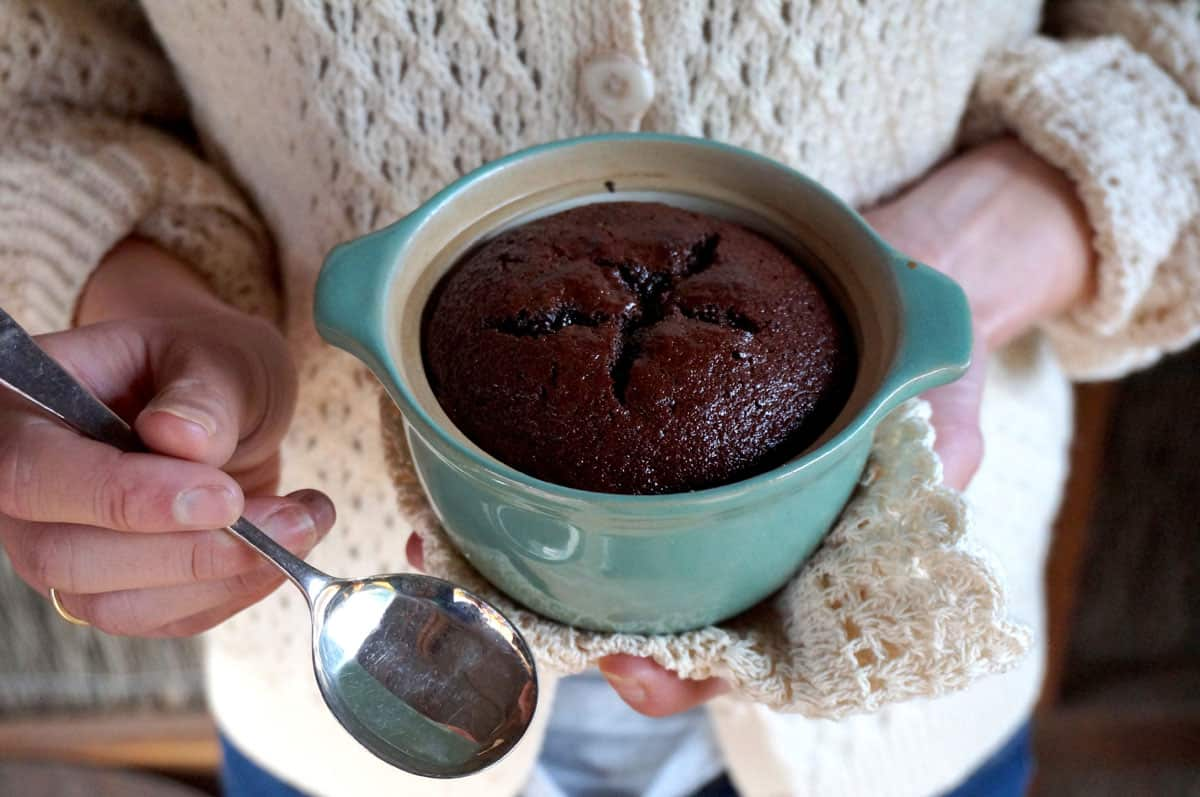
895	604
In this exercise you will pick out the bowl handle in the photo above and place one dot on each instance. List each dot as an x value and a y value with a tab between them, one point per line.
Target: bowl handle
350	299
935	335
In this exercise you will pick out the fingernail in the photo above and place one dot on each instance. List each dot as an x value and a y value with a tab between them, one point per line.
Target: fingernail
178	401
630	690
191	416
205	506
291	525
319	507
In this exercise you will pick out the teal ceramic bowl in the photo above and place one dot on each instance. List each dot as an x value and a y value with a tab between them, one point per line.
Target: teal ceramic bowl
661	563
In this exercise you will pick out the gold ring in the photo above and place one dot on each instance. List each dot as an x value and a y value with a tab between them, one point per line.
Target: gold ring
62	610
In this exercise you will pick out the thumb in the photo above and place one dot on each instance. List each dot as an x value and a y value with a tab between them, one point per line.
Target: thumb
217	402
955	407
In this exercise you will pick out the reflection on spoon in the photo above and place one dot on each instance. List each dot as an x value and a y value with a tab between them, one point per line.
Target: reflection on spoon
420	662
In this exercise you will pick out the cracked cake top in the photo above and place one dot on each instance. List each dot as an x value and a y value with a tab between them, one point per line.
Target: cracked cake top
629	347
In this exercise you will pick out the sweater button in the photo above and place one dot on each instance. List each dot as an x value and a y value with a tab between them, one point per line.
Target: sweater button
618	87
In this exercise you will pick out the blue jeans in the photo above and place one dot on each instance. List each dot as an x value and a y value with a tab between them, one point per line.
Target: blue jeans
1005	774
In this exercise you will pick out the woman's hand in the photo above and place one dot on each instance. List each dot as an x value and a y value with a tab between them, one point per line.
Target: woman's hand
1011	230
131	541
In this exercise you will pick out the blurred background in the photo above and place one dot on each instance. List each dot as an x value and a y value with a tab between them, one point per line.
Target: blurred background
1120	712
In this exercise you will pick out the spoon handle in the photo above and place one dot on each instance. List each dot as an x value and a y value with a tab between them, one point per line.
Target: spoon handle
29	371
309	579
34	375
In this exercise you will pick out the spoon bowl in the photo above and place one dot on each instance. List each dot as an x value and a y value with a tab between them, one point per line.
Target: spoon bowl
425	675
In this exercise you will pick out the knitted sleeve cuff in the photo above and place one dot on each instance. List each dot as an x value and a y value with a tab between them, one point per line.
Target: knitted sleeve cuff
1129	138
1166	30
73	184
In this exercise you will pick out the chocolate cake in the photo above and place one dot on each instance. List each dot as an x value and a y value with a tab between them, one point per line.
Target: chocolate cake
632	347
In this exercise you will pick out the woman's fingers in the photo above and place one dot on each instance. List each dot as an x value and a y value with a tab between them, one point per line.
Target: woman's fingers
221	386
210	618
139	612
414	550
955	407
110	360
653	690
87	560
143	612
217	396
50	474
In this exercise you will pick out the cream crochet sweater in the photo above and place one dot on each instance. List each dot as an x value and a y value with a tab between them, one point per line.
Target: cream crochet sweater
319	121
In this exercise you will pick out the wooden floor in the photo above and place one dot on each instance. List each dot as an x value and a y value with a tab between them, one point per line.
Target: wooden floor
72	780
179	742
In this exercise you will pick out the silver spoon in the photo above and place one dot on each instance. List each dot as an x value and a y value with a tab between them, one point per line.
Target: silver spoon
425	675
